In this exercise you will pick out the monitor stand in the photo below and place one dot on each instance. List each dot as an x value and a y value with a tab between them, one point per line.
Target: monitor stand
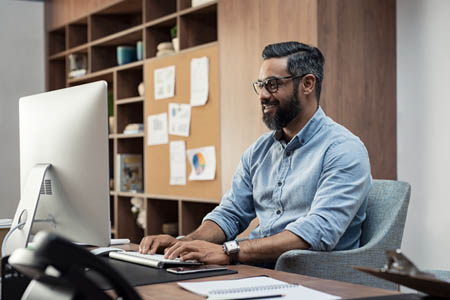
26	210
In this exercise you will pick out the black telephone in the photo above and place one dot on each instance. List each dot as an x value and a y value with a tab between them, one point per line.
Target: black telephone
58	267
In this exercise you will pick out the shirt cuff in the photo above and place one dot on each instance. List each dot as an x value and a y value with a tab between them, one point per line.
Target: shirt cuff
219	220
309	231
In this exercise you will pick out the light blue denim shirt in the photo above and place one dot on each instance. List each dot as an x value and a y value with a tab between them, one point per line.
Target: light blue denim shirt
315	186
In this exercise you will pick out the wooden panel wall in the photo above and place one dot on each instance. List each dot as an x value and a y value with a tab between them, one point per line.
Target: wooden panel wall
358	41
245	27
60	12
359	44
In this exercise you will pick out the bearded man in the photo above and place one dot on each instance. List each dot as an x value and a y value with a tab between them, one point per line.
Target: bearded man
307	180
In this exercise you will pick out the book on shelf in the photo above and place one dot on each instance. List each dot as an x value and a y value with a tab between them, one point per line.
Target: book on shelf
77	65
129	173
134	128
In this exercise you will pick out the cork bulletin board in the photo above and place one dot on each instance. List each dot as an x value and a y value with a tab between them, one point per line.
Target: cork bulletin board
204	126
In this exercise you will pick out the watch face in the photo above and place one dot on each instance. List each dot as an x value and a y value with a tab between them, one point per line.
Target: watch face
232	246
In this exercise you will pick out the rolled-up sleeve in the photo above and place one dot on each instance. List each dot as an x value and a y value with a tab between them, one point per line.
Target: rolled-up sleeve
236	209
343	187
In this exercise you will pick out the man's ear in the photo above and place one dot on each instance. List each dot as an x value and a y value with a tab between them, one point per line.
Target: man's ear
308	84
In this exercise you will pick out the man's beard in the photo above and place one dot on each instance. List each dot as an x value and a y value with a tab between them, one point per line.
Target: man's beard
284	114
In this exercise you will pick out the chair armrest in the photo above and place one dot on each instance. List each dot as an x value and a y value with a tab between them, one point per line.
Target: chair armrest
336	265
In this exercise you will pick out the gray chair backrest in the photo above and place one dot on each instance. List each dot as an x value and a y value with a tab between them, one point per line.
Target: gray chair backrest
386	214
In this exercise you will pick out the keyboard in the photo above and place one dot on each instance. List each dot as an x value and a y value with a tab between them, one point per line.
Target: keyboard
150	260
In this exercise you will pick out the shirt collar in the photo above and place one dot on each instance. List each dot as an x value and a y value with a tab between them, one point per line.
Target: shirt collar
308	131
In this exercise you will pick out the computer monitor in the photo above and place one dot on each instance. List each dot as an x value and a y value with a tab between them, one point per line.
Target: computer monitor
64	167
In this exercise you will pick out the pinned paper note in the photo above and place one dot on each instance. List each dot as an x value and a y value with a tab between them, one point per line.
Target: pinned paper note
203	163
164	82
199	81
179	119
157	129
178	163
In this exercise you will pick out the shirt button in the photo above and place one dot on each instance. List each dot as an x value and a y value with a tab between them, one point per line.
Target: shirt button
279	183
288	153
278	212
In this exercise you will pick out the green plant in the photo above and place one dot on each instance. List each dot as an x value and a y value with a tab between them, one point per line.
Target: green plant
174	31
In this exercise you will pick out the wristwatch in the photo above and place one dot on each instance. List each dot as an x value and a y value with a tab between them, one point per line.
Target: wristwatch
232	248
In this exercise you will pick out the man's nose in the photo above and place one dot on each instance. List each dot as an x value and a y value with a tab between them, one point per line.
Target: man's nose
264	94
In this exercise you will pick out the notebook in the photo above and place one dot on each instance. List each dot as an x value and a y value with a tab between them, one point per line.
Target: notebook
254	287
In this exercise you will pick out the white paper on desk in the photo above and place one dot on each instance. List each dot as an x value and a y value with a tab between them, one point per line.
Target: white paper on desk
199	81
164	82
157	129
178	163
179	119
203	163
254	287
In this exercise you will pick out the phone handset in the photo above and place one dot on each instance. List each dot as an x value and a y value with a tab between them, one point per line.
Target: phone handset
58	266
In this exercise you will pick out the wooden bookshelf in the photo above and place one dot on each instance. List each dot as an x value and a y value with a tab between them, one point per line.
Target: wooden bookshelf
97	34
237	30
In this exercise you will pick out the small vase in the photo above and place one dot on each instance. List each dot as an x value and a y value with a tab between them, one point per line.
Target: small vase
176	44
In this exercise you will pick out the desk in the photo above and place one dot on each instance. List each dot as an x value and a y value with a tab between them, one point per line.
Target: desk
345	290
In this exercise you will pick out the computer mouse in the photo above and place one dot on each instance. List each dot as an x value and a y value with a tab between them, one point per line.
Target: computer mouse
104	251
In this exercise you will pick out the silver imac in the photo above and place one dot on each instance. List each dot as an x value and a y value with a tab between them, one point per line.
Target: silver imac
64	166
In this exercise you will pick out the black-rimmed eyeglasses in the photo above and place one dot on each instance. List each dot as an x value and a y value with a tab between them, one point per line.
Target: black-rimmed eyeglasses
271	84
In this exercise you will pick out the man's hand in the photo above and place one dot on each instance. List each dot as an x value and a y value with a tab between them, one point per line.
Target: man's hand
156	243
206	252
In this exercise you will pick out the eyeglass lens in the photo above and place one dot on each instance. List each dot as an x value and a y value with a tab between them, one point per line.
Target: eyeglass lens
270	84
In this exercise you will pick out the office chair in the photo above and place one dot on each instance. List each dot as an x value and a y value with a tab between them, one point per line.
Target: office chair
383	229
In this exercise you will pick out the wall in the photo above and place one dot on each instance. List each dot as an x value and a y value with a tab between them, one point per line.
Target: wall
423	94
21	73
359	90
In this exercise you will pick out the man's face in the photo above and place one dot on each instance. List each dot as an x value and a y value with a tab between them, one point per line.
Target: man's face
281	107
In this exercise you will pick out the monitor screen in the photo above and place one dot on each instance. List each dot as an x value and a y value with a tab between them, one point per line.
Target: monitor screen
66	129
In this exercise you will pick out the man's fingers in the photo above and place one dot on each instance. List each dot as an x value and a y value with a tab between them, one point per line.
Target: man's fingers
145	244
154	246
182	249
170	250
191	256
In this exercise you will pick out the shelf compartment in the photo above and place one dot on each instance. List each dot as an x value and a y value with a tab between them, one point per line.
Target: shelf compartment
184	4
198	27
104	52
103	57
57	41
128	81
77	34
132	145
57	74
160	212
116	18
77	63
126	221
192	214
127	37
129	113
155	9
157	33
